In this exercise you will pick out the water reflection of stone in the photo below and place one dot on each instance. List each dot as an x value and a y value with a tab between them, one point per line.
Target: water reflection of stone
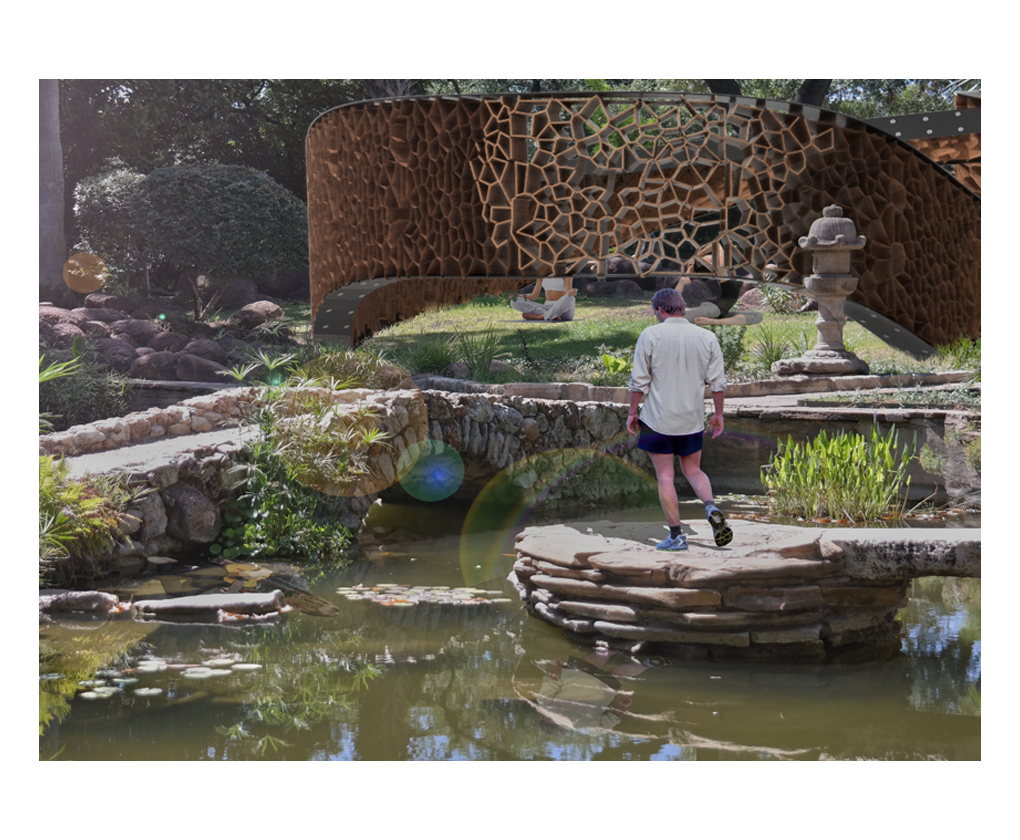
738	710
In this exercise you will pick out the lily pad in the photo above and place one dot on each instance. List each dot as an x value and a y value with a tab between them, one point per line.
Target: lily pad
197	673
219	663
148	692
247	666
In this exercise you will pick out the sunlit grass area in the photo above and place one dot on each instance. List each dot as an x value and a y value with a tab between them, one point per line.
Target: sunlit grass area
574	351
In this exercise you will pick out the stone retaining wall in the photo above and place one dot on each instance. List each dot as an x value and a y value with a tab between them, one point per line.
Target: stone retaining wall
570	450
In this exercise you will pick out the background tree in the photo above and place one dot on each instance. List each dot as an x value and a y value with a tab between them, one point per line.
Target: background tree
387	88
151	123
52	251
104	213
228	221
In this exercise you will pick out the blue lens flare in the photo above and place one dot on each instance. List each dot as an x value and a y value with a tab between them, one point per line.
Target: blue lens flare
430	471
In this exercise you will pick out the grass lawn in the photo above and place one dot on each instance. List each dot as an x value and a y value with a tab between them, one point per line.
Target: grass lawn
572	352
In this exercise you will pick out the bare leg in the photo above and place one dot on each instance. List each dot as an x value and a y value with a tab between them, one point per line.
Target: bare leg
667	490
691	466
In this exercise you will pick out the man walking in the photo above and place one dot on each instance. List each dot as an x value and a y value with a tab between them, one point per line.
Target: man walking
673	361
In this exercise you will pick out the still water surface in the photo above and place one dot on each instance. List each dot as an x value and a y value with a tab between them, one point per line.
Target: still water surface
481	681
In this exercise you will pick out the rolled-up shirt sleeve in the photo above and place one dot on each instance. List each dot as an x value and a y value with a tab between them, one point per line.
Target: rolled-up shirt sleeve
640	375
715	378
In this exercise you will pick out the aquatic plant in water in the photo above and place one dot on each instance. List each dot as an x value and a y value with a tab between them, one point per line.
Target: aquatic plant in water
845	476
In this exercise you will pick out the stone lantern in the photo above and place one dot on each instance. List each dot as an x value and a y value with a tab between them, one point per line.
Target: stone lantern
830	239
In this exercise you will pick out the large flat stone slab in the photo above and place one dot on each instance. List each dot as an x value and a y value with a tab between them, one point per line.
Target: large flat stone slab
892	553
241	603
773	591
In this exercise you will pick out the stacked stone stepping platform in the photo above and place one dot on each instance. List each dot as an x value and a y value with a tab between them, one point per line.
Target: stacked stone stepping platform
775	592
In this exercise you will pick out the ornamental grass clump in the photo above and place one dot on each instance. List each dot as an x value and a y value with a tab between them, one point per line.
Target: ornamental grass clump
843	477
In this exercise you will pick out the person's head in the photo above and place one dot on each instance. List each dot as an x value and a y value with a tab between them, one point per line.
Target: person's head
668	301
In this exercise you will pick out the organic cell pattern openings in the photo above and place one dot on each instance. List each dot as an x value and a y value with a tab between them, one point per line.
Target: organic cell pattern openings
423	200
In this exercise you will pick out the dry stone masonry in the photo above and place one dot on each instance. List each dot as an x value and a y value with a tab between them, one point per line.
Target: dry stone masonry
776	591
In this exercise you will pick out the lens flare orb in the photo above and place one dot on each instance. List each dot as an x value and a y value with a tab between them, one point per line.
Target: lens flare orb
431	471
85	273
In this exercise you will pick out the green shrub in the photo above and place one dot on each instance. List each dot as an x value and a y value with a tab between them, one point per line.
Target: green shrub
427	353
773	342
275	511
227	221
782	301
731	340
105	212
843	477
275	515
78	517
83	393
479	350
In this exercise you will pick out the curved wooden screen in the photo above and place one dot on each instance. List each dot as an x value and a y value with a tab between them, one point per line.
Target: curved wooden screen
424	200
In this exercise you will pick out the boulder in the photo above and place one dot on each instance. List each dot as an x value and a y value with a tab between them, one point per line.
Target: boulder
190	515
58	315
139	333
254	314
196	369
116	353
96	329
107	316
169	341
206	349
98	300
62	334
155	365
65	600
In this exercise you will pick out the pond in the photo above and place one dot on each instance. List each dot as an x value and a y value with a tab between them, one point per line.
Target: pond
466	674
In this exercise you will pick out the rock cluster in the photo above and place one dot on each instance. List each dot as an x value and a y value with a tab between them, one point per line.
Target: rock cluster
141	342
780	595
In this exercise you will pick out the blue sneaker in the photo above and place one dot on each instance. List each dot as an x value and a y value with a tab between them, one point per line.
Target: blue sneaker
677	543
722	532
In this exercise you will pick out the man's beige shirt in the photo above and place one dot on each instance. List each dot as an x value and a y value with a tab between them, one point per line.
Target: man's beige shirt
673	362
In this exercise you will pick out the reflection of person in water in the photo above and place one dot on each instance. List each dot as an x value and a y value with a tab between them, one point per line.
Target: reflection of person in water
709	301
584	694
559	300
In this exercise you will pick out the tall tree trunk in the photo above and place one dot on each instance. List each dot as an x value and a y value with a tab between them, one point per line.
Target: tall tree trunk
813	91
51	195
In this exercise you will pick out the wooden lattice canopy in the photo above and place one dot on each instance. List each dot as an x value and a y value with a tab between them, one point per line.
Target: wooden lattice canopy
423	200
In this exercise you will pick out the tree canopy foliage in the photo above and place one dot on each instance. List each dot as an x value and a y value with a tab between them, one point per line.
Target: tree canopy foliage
221	219
141	125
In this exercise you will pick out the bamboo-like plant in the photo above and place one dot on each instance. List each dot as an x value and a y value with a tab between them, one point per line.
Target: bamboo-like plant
842	477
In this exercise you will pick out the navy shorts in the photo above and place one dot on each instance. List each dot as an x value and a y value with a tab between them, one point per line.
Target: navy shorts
652	441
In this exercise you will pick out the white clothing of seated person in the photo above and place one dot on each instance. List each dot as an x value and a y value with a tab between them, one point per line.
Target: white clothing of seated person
559	300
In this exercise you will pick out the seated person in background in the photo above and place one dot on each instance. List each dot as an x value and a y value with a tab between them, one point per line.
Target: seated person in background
559	300
709	301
